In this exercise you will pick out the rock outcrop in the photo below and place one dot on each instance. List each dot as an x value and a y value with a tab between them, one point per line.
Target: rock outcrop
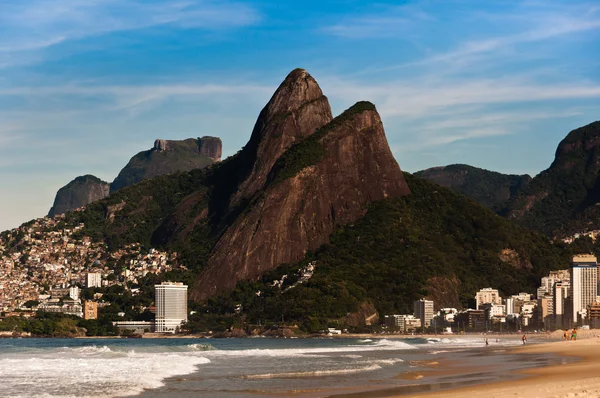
78	193
167	156
489	188
323	182
211	147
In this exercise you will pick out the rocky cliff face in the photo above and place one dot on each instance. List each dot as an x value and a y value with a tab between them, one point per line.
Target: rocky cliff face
211	147
78	193
324	182
562	199
296	110
489	188
167	156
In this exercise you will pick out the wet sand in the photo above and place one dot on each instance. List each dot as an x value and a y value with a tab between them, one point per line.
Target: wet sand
580	378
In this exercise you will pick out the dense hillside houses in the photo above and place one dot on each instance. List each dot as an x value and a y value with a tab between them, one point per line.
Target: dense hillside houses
41	260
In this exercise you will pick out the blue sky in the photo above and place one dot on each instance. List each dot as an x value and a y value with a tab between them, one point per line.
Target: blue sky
86	84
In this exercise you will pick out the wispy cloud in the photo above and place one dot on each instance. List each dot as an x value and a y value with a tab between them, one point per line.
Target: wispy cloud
523	23
389	22
418	98
36	24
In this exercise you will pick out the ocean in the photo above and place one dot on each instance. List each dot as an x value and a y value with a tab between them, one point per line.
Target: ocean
235	368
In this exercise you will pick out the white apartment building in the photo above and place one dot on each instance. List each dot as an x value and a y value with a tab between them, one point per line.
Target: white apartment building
423	310
74	293
93	279
494	310
171	306
584	283
487	296
405	323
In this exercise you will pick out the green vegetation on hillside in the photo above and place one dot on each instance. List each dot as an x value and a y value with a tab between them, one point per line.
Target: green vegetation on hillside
488	188
181	156
310	151
563	199
389	257
49	324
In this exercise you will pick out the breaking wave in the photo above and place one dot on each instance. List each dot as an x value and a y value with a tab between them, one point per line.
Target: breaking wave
81	370
332	372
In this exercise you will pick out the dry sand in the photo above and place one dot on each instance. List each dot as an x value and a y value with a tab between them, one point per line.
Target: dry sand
575	379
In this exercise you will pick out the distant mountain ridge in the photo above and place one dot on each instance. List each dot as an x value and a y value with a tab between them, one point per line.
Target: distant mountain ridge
564	198
490	188
166	156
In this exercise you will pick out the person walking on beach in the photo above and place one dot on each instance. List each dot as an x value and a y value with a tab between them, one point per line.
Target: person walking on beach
524	338
566	335
574	335
486	341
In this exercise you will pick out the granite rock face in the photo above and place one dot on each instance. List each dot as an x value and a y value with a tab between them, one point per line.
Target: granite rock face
296	110
78	193
167	156
211	147
296	213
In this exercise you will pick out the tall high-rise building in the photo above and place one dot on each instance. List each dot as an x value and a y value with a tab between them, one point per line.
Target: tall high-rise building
487	296
561	292
584	283
423	310
93	279
171	306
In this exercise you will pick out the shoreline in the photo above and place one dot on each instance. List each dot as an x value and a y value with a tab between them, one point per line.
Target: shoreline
578	374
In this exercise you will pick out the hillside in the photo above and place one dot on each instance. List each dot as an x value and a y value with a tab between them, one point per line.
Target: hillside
432	243
78	193
168	156
489	188
563	199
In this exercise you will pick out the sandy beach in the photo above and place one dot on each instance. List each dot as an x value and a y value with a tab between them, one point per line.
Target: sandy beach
580	378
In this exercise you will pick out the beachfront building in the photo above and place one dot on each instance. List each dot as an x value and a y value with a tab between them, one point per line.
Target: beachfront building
559	303
593	311
404	323
584	284
423	310
171	306
137	327
487	296
544	311
471	319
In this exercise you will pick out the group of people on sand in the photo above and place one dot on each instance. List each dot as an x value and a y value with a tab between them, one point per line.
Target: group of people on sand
573	335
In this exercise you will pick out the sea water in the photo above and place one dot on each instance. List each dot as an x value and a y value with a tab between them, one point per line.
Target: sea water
210	367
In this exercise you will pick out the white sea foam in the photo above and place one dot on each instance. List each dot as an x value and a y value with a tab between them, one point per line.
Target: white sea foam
470	342
91	371
380	345
365	341
201	347
331	372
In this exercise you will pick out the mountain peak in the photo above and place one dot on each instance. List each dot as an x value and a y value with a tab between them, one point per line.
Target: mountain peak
296	110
